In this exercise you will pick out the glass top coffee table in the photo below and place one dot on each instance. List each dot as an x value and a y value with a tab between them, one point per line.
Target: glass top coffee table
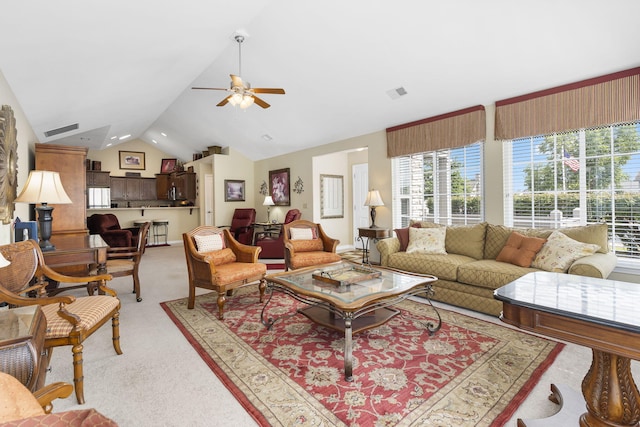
349	297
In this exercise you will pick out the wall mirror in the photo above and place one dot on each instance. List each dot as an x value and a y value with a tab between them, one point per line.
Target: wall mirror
331	196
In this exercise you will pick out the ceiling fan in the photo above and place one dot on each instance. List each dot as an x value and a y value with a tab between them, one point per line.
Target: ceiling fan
242	93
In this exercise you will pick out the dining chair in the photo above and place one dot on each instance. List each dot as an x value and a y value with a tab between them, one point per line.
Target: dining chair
70	320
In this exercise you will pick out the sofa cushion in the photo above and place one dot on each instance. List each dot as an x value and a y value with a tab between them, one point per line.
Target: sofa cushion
403	236
427	240
520	250
560	252
596	234
442	266
466	240
490	274
307	245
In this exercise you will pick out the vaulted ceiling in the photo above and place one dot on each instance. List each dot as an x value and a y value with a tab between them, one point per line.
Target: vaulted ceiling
124	67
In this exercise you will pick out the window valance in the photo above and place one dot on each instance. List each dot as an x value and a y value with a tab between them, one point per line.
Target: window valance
609	99
451	130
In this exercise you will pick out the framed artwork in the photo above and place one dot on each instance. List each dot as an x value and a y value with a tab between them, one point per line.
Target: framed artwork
168	165
132	160
279	187
233	190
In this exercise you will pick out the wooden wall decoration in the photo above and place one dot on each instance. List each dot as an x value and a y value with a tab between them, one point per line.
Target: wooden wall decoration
8	164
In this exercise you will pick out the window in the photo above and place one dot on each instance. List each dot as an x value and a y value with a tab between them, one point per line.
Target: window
443	186
577	178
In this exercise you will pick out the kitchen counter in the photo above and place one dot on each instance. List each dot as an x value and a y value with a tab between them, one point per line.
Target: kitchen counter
181	218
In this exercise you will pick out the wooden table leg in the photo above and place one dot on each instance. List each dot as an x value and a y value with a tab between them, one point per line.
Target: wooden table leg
611	394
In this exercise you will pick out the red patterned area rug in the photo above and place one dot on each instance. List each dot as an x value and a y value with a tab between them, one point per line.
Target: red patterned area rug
470	373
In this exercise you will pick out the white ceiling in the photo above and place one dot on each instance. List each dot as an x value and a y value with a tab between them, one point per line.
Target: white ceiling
123	67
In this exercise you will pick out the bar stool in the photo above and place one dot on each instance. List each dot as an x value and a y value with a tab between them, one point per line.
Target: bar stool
160	229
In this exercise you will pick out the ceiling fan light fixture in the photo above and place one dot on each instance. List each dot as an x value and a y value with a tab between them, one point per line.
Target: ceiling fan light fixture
247	101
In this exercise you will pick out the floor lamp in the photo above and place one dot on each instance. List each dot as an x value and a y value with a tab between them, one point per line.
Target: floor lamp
373	200
44	187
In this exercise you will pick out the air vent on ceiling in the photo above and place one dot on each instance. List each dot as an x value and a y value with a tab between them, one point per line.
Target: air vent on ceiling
396	93
54	132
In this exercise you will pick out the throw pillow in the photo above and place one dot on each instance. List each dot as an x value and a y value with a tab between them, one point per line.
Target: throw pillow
520	250
560	252
209	242
303	233
403	236
426	240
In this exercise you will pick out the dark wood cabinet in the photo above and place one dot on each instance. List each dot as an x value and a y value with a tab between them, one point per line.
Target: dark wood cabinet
132	188
70	162
184	183
98	179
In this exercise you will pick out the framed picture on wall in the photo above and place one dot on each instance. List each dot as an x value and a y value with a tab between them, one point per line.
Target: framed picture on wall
168	165
279	187
233	190
132	160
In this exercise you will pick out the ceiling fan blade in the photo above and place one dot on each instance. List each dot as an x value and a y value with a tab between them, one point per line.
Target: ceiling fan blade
224	101
236	81
260	102
209	88
275	91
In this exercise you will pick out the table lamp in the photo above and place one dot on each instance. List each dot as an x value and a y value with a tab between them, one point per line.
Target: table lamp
44	187
268	202
373	200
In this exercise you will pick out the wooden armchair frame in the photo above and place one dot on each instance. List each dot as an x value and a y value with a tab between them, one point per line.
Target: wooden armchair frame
203	273
70	320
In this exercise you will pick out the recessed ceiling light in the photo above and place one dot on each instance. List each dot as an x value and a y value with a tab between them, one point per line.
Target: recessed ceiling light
124	137
154	141
109	144
163	134
114	136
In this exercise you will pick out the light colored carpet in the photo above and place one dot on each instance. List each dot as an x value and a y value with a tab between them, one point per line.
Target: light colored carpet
160	380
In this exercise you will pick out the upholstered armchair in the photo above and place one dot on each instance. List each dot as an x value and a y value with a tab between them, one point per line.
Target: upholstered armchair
108	227
242	225
273	246
217	261
306	244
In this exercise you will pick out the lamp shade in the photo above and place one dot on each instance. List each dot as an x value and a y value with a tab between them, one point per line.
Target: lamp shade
3	261
43	187
268	201
374	199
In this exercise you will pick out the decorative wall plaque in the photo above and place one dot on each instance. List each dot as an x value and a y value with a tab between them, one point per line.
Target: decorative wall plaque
8	164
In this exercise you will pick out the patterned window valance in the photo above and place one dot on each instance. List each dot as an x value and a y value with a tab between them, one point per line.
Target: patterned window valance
609	99
451	130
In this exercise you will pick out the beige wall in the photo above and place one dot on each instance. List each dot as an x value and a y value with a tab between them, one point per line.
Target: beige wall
110	158
26	147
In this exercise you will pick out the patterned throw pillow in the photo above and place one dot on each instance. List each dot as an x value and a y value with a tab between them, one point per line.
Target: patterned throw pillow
303	233
520	250
209	242
403	236
427	240
560	252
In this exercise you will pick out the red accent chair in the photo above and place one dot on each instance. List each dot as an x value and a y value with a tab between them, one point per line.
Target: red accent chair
242	225
108	227
273	246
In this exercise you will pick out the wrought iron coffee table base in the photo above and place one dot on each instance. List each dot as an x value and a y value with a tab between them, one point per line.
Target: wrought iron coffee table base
350	321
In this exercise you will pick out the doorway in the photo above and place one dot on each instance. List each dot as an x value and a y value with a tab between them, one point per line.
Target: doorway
208	199
360	191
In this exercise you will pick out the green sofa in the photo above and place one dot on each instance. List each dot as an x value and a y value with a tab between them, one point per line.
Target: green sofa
469	273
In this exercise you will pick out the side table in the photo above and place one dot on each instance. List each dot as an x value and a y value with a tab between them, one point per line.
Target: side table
22	354
366	234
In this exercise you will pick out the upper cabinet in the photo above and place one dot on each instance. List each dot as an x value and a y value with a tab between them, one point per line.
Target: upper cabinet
176	186
98	179
132	188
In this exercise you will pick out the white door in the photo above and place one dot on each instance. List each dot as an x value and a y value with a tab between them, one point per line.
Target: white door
208	199
360	191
